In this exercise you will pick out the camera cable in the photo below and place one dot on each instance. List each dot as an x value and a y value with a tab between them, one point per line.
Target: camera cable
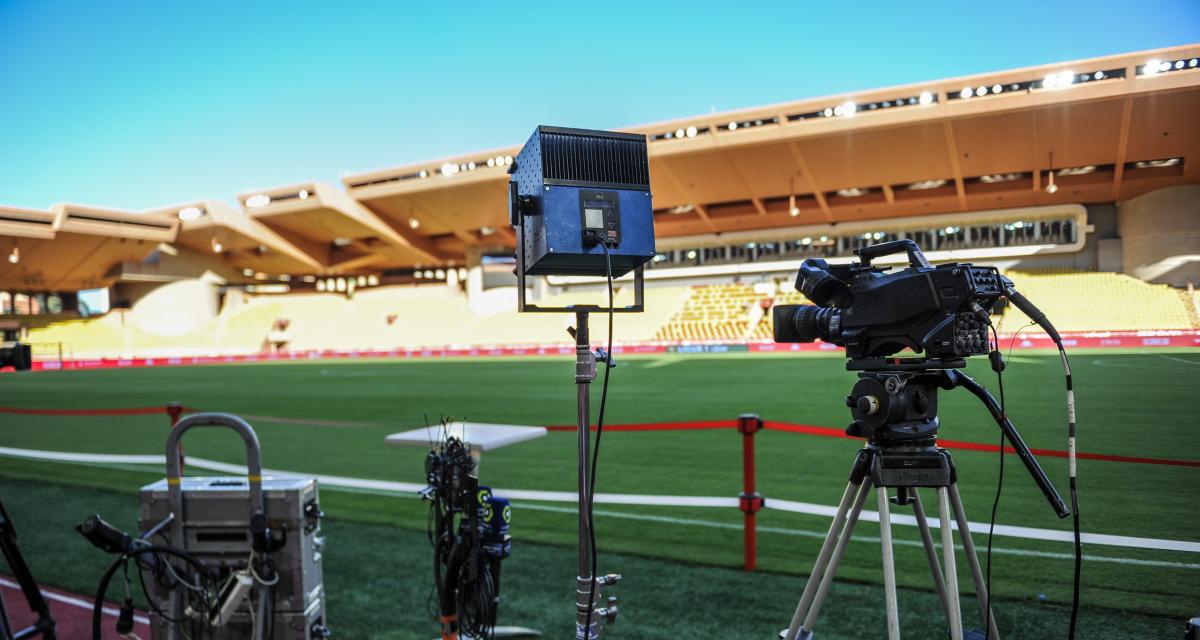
608	365
1036	315
998	366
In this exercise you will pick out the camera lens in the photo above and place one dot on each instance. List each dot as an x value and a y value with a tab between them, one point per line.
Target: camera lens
806	323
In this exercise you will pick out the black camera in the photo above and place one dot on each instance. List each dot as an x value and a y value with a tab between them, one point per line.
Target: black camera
17	355
940	312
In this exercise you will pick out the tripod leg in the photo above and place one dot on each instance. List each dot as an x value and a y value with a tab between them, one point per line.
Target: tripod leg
810	588
889	565
951	570
931	553
964	532
810	618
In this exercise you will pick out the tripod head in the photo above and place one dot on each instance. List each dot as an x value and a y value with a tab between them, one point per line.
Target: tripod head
895	405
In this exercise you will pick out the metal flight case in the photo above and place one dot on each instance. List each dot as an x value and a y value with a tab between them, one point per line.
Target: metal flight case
218	519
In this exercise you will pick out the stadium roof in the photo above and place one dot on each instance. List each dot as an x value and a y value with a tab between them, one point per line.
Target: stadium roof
1108	128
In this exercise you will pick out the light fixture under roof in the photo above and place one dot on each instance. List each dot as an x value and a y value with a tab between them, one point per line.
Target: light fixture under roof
994	178
683	208
926	184
925	99
691	131
190	213
486	231
216	246
341	242
303	194
413	223
1077	171
15	256
258	201
1058	80
966	92
449	169
852	192
1157	164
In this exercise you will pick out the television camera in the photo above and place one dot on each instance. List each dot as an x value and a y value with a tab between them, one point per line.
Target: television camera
942	315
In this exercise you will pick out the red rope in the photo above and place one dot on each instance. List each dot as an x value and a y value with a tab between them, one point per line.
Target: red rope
830	432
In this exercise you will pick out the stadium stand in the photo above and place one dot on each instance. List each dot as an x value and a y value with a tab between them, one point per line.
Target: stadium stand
437	316
1091	301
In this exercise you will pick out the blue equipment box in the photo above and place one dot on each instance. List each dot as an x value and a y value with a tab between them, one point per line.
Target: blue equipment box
572	190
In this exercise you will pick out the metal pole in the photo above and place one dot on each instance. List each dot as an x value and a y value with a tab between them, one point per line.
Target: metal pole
749	501
889	566
948	559
585	373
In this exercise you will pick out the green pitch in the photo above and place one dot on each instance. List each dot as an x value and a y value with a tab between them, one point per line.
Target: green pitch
330	417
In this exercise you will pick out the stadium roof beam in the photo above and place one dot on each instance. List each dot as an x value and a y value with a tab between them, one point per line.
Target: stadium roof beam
806	173
322	221
1122	147
210	227
83	247
952	150
694	202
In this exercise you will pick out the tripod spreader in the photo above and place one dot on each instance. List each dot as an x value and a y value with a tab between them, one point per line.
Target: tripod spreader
956	378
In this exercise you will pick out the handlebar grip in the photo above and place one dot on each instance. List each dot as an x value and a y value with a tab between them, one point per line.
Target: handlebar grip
915	257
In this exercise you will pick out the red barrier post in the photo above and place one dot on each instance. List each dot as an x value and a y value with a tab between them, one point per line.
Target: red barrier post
174	410
749	500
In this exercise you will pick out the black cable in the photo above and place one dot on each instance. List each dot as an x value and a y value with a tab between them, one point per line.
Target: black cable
1037	316
1074	493
102	589
587	629
996	502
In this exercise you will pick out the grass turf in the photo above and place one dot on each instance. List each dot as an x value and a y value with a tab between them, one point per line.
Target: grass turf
1130	404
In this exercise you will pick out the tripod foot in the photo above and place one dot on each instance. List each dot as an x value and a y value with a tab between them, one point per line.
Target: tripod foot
803	634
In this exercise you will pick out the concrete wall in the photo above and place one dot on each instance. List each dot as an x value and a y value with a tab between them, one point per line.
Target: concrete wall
1160	235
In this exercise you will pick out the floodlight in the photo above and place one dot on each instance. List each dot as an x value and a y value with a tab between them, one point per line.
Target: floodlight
1179	64
258	200
413	223
965	93
15	256
216	246
449	169
691	131
981	91
996	88
440	274
1099	75
925	99
580	199
303	194
373	280
679	133
733	126
190	213
423	173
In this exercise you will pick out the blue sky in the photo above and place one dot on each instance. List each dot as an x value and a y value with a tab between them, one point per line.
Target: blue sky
140	104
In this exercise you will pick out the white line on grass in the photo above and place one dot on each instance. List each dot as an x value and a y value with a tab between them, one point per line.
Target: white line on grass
1029	533
75	602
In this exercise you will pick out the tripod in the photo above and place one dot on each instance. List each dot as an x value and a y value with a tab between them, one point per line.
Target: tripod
907	469
16	563
895	407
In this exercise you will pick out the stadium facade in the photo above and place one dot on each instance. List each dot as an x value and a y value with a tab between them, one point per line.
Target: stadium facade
1081	177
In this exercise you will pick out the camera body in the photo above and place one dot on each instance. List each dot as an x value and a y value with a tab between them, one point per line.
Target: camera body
940	312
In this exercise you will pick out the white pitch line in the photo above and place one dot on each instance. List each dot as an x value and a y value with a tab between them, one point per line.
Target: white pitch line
807	508
75	602
820	535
